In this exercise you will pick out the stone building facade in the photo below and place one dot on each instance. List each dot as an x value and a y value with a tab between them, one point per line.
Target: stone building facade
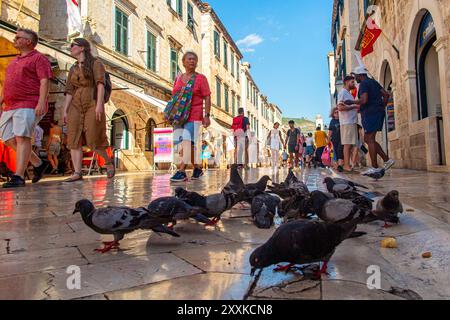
412	61
141	43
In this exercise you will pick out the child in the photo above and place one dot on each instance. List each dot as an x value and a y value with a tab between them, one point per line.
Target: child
309	151
285	158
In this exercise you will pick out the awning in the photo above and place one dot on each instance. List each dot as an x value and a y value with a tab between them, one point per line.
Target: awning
152	100
215	126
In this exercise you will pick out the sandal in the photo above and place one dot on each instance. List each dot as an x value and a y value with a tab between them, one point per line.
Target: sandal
111	171
77	176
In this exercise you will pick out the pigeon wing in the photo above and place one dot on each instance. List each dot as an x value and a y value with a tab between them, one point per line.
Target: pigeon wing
338	210
115	219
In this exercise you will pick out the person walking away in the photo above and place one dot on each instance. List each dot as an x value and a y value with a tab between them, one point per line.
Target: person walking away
54	145
275	141
37	141
348	117
84	108
23	104
309	149
252	148
334	135
187	134
240	127
292	141
321	141
373	100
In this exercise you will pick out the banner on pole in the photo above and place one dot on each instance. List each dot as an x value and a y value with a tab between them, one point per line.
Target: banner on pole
163	145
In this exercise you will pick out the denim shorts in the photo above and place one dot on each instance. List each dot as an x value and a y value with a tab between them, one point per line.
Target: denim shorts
190	131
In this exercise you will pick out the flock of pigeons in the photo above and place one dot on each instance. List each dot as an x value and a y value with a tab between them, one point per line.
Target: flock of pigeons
314	223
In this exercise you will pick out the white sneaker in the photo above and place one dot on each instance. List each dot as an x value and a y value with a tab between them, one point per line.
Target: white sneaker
368	171
389	164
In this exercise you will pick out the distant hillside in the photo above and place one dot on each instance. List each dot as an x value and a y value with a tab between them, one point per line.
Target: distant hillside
305	124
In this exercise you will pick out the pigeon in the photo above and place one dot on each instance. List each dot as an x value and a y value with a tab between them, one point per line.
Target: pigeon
264	208
290	187
335	210
236	184
302	242
119	221
387	209
347	191
376	174
214	205
352	184
261	185
294	208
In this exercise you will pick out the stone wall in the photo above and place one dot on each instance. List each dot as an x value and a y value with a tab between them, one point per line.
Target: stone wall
414	142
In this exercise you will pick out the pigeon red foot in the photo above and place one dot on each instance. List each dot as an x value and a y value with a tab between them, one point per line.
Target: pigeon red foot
387	226
285	268
108	246
318	274
213	222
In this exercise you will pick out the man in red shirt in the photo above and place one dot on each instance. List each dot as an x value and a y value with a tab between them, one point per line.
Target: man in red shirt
23	104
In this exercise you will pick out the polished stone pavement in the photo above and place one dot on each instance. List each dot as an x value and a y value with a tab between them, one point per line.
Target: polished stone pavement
40	239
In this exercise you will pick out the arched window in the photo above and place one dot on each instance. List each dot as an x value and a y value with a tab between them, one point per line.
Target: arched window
427	67
149	129
120	130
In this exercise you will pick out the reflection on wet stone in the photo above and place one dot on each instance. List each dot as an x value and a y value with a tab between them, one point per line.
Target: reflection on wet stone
40	238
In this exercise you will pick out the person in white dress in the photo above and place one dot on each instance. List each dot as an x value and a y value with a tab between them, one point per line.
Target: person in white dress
252	149
275	142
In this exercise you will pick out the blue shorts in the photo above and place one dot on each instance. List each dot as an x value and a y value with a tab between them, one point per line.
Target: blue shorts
190	131
309	151
373	122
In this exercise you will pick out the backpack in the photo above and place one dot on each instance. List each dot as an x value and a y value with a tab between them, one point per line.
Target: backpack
108	85
238	123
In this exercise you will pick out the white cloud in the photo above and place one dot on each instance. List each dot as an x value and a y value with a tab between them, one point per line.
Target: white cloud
248	50
250	41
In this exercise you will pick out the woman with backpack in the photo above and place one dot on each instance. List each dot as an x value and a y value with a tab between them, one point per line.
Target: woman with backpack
186	113
84	108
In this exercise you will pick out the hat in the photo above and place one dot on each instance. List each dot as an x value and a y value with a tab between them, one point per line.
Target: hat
360	70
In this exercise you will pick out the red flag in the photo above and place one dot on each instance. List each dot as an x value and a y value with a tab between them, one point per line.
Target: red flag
371	33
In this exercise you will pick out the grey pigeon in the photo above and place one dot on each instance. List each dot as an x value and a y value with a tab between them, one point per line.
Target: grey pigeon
335	210
214	205
377	174
387	209
294	207
301	242
119	221
236	184
350	183
261	185
290	187
264	208
346	191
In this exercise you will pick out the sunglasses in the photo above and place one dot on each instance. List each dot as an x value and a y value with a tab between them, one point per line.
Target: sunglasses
74	45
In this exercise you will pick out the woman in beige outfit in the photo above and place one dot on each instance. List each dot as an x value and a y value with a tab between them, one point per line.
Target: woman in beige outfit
84	108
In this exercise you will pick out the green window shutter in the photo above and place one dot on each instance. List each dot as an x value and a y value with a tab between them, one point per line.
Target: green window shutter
216	44
121	32
227	105
151	51
180	8
173	64
218	93
225	54
190	21
232	64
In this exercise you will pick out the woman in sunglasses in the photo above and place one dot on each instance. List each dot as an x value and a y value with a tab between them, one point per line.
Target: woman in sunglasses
84	108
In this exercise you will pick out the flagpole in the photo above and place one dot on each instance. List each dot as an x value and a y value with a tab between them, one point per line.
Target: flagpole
391	43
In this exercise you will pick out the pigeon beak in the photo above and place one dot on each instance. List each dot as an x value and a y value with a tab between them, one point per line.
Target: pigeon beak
76	211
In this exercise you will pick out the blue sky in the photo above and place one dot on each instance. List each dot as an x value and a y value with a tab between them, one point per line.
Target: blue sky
286	43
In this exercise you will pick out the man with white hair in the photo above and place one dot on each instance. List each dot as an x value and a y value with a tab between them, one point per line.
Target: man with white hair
373	99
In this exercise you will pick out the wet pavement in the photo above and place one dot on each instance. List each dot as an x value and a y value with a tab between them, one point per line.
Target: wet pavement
40	239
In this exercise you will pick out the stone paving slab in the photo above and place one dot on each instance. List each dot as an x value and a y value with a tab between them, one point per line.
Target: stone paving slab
209	286
46	238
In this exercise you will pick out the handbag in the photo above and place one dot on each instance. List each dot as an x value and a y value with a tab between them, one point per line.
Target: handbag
326	157
178	109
